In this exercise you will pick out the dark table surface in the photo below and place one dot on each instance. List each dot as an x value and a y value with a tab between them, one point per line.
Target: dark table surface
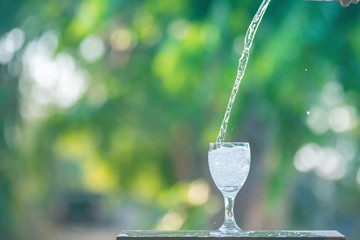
243	235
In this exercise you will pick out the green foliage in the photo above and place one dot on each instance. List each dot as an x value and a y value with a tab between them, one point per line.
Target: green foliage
121	98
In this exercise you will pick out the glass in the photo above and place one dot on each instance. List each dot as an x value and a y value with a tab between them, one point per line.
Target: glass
229	164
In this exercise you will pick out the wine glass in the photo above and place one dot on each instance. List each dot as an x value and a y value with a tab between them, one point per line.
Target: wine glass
229	164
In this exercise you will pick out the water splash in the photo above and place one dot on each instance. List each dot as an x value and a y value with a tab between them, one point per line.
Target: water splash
242	66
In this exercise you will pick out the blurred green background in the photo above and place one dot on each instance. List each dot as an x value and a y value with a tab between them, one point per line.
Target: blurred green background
107	108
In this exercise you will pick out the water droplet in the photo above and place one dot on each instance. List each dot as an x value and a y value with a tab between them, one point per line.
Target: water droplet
308	112
306	69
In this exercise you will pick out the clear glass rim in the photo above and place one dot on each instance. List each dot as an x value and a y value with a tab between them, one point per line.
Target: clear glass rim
216	145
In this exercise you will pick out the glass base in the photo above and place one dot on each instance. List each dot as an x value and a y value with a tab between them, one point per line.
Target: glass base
229	227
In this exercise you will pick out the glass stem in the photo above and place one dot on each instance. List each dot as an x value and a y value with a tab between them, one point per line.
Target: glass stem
229	222
229	210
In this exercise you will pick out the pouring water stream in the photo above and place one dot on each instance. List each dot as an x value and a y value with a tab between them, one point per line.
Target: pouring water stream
242	66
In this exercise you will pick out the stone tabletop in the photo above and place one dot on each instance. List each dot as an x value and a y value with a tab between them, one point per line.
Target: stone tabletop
215	235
